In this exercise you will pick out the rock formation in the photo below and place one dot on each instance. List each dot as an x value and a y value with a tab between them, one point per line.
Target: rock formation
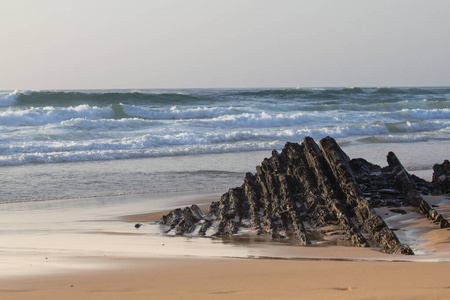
441	178
409	185
307	193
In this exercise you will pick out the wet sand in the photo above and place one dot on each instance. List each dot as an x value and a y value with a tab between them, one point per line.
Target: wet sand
90	249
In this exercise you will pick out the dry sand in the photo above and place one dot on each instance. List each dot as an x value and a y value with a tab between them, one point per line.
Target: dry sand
115	261
240	279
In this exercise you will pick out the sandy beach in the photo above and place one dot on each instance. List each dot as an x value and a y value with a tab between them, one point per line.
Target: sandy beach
249	150
98	254
196	278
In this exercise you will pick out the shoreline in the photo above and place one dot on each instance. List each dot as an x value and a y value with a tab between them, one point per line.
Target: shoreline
91	249
219	170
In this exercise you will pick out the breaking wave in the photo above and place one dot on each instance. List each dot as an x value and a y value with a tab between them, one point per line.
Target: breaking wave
214	116
68	126
69	98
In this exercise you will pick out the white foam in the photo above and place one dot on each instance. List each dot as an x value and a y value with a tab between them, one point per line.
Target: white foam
54	152
264	119
228	123
176	113
423	114
9	99
50	115
100	125
101	138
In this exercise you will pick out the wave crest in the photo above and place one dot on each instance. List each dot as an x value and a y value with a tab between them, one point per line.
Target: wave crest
68	98
51	115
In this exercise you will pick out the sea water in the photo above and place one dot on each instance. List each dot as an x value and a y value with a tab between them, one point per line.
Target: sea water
94	143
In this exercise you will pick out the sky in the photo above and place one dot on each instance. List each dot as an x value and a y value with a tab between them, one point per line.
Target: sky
112	44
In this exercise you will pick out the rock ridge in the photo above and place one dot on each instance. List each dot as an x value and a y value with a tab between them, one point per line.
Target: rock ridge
308	193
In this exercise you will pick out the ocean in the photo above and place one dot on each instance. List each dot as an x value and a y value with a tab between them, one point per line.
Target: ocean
95	143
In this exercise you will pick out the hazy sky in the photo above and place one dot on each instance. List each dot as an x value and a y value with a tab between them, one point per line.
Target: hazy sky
62	44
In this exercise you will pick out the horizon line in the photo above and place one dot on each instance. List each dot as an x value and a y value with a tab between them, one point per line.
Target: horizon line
229	88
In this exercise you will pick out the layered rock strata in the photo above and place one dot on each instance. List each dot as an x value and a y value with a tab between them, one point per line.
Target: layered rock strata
307	193
441	178
409	185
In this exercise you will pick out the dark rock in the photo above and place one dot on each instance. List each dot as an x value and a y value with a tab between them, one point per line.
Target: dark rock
441	178
398	211
393	203
297	192
137	225
389	191
409	185
172	219
183	220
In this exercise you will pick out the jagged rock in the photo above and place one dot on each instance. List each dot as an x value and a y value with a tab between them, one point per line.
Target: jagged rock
441	178
296	193
183	220
409	186
172	219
